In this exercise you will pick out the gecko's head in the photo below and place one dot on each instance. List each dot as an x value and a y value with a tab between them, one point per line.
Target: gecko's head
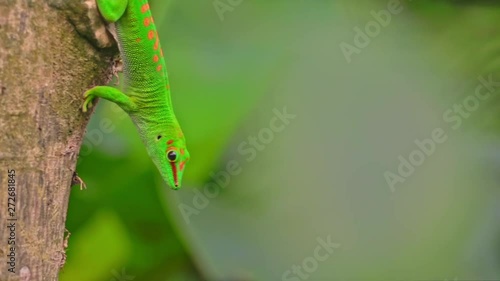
171	156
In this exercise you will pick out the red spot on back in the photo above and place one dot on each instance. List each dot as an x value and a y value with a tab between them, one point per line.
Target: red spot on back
157	43
161	53
158	68
145	8
138	40
170	142
155	58
151	34
147	21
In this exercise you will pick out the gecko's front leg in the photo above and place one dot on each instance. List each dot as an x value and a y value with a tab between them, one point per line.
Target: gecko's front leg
111	94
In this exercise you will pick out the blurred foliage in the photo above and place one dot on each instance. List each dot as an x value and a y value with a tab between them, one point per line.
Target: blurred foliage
323	175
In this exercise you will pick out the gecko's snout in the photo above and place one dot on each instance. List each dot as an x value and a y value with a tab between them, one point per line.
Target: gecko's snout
175	186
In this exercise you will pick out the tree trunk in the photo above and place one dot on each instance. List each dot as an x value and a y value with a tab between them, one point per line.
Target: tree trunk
45	67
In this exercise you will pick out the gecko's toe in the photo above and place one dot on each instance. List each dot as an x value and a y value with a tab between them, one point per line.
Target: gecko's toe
89	97
87	104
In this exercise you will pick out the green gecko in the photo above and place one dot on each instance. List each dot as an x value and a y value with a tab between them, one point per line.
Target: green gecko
146	94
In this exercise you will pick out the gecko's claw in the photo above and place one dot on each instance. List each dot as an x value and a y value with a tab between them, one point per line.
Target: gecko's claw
88	101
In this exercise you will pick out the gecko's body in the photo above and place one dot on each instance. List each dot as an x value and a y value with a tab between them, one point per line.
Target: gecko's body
146	92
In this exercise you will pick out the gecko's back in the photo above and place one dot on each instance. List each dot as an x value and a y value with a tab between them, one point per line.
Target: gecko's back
144	65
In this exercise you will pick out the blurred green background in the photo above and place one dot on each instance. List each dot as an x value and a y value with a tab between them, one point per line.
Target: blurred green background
319	176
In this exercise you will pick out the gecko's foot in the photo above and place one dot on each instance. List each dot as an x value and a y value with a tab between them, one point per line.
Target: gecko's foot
89	97
77	180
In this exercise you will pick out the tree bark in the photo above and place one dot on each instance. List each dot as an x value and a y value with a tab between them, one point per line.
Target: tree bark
45	67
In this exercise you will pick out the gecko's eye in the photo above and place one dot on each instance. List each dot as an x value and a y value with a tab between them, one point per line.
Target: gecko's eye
172	156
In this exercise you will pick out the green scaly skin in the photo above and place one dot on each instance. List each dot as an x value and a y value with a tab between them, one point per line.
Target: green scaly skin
146	92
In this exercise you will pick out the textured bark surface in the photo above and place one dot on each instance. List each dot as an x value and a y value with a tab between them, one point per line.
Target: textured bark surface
45	67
